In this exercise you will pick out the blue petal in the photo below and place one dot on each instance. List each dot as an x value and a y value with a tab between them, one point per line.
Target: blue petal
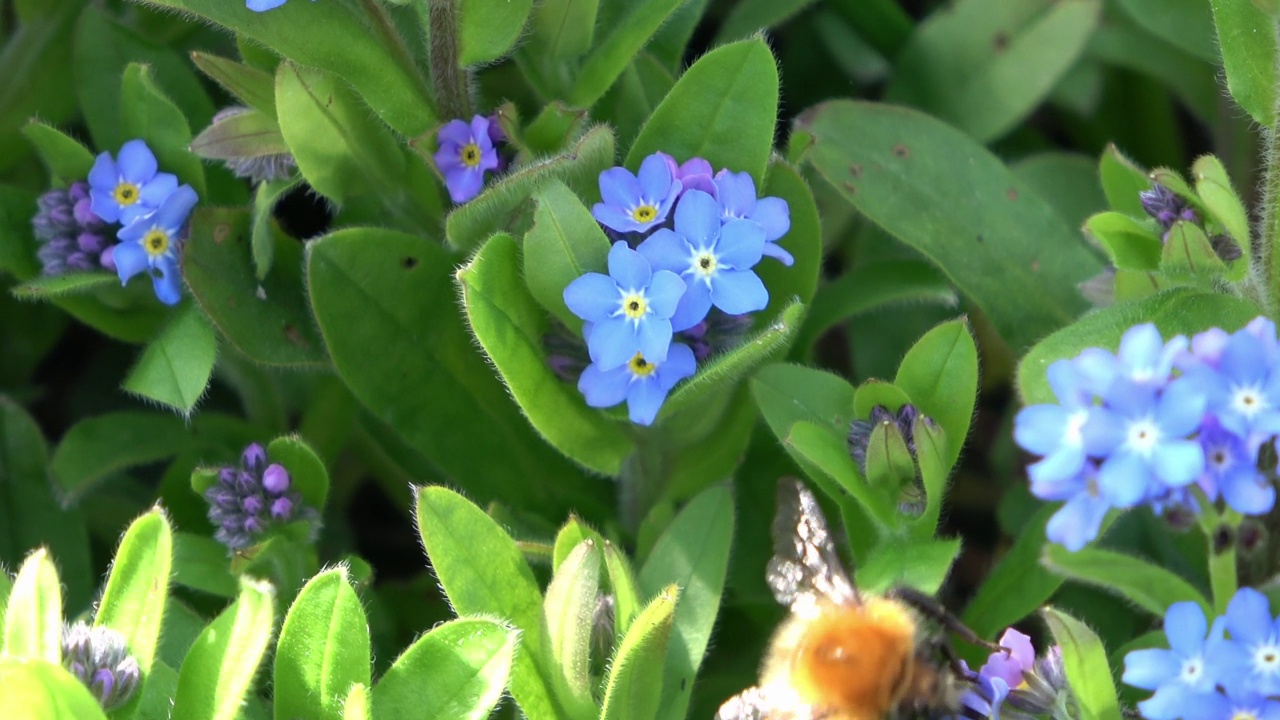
612	343
464	185
1062	464
774	215
1065	382
644	399
176	209
618	187
1185	625
1249	616
604	388
667	250
1039	428
653	336
1178	463
167	281
137	162
1247	492
738	291
454	132
628	268
480	132
263	5
737	193
680	364
155	192
1149	669
104	176
1180	408
655	179
777	252
698	218
134	231
1176	700
1123	479
130	260
104	205
136	211
1140	347
614	218
1077	522
1243	359
693	306
592	297
664	293
1103	432
741	244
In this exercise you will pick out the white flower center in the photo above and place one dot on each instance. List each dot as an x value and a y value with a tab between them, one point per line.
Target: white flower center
1072	435
1143	436
1266	658
1192	671
1248	400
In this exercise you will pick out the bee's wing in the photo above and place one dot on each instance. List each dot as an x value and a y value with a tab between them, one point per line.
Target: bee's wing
805	566
757	703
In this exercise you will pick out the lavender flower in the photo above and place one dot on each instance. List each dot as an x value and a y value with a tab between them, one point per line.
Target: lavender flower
247	501
99	657
466	153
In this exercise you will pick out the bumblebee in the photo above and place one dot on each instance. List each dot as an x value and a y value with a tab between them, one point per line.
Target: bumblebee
844	654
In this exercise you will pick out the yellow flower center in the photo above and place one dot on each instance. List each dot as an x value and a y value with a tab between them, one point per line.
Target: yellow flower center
644	214
634	305
470	154
155	242
641	367
1244	715
126	193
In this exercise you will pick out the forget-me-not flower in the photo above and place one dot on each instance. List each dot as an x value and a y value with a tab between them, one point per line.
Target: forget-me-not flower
1077	522
152	242
714	261
634	203
264	5
1252	662
1244	393
1056	431
630	309
466	153
127	187
1231	468
736	193
1185	676
642	383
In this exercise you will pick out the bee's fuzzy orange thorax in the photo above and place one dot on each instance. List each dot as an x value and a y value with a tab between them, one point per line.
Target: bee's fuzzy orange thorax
856	660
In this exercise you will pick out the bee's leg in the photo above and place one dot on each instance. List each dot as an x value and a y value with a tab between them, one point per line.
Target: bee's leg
931	607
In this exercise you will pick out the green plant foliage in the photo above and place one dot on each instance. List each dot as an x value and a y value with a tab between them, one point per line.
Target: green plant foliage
323	650
466	664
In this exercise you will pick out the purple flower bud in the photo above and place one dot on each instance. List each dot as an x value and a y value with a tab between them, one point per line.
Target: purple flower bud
253	526
222	498
1167	208
227	476
108	258
275	479
99	657
246	483
83	213
80	261
282	509
253	504
90	243
254	457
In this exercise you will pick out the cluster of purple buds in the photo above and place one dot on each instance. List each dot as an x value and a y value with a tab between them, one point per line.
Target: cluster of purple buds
680	280
99	657
1167	208
1164	424
72	238
860	431
249	500
1016	685
468	150
1228	669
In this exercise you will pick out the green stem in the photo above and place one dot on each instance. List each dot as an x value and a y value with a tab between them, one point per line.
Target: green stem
448	77
1223	579
1268	260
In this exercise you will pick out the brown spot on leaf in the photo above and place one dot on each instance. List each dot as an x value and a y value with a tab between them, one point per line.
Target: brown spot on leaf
1000	41
980	239
853	189
1035	266
295	337
855	170
409	263
221	232
1011	194
901	151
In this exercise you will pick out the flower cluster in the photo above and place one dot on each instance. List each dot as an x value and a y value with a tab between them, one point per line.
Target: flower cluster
72	238
1155	423
1206	674
686	245
248	500
1015	685
99	657
468	151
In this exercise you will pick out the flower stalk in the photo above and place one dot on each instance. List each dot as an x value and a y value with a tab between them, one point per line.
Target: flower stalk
448	77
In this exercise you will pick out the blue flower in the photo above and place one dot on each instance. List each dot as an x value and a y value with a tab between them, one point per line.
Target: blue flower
153	242
642	383
130	188
694	174
636	204
1056	431
1244	393
1144	431
264	5
466	153
1185	676
1253	663
1244	706
1230	467
714	261
630	308
737	195
1077	522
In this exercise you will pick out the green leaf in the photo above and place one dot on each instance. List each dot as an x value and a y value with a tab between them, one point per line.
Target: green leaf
1187	253
174	368
1247	37
30	513
1128	243
356	706
564	243
146	113
748	16
803	241
333	37
200	563
323	650
44	690
984	65
940	374
827	451
246	134
307	474
36	59
563	28
18	251
636	680
611	55
920	563
393	292
488	28
67	159
33	618
219	669
570	608
1067	180
133	602
1018	585
691	556
1085	661
464	664
47	287
252	86
489	212
1185	23
263	234
870	287
268	320
942	194
1213	186
1176	311
484	573
97	447
1148	586
625	589
723	108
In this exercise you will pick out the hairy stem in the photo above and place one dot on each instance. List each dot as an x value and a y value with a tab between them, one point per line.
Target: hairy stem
448	77
1268	260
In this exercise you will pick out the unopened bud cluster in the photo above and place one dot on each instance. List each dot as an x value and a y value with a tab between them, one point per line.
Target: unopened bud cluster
250	499
99	657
